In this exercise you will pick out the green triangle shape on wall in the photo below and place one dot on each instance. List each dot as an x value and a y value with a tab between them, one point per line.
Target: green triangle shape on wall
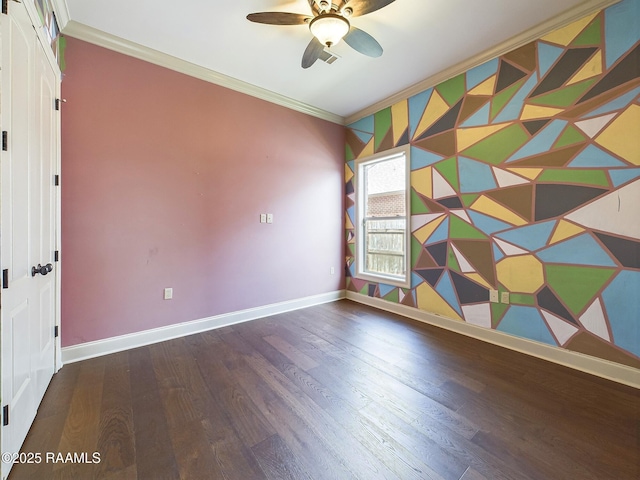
452	261
496	148
569	137
62	48
393	296
416	250
365	290
458	228
417	205
382	122
590	35
348	153
469	198
501	99
596	178
565	96
449	170
497	312
576	285
453	89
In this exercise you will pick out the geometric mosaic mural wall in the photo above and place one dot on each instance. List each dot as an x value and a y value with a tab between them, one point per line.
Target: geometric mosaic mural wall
525	177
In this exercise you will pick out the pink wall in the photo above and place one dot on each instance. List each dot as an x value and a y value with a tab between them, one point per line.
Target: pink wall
163	180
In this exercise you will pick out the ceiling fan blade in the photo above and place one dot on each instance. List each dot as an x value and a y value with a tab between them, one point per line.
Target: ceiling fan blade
312	53
279	18
362	42
362	7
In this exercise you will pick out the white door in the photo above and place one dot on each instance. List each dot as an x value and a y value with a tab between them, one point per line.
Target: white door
28	225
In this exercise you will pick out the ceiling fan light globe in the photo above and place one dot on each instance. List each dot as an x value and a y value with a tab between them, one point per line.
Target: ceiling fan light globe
329	28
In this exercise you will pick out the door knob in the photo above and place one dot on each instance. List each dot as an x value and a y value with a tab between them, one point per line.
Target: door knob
41	269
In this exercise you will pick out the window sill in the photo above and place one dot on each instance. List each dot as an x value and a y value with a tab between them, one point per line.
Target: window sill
393	281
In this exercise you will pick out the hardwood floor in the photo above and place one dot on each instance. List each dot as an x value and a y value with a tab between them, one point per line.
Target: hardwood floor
335	391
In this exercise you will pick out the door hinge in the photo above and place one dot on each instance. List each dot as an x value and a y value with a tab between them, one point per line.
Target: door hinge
55	331
5	7
56	180
5	415
5	141
56	256
5	278
57	104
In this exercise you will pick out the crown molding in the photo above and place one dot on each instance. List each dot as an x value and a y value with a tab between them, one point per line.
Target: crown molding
98	37
62	12
559	21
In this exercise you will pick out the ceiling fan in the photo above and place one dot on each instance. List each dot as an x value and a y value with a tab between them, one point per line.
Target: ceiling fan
329	24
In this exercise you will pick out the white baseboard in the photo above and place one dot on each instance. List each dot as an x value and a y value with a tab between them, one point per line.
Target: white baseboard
98	348
595	366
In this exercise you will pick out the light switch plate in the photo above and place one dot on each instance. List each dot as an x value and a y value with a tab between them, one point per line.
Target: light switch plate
269	217
493	296
263	218
505	297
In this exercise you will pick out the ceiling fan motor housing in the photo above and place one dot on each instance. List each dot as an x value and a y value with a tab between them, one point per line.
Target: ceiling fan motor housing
329	28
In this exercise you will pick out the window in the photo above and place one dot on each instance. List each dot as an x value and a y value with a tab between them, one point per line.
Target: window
382	212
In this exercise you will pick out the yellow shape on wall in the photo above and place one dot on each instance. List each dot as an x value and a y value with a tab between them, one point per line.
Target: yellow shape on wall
530	173
435	109
565	230
591	69
522	273
399	119
430	301
348	224
566	35
485	88
423	233
348	174
533	112
476	277
368	150
621	137
422	181
469	136
492	208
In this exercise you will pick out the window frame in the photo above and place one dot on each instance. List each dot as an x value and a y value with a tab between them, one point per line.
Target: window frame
360	238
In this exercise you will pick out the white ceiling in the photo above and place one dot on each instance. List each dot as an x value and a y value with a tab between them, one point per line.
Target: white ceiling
420	39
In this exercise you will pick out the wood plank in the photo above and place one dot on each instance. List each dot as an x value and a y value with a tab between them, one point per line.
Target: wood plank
154	451
291	352
82	424
246	419
277	461
115	438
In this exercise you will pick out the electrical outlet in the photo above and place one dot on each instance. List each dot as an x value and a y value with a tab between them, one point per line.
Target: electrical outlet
505	297
269	217
493	296
168	293
263	218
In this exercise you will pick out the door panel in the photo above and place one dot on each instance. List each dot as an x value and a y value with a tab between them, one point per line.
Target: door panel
21	44
28	223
